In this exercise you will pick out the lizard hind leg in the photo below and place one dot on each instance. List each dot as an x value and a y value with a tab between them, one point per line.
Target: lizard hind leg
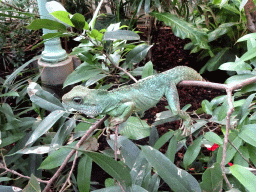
172	97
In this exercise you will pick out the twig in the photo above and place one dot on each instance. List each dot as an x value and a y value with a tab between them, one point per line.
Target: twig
18	174
241	154
70	172
85	137
120	68
229	88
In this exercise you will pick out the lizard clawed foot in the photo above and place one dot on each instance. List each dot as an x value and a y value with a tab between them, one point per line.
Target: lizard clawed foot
186	127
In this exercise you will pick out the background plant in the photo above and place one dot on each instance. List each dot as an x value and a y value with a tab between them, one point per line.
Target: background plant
109	55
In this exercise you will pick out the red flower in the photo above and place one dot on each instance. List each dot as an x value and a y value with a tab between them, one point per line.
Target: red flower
230	164
214	147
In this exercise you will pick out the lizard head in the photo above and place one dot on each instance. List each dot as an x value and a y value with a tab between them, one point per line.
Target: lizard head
84	100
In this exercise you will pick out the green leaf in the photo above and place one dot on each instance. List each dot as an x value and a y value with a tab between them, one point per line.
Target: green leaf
176	178
46	24
192	152
84	174
249	55
96	34
43	98
221	30
94	79
212	179
239	160
171	150
78	20
214	63
252	153
11	138
231	151
235	66
248	134
32	186
63	16
223	111
183	29
82	73
238	78
134	128
163	139
129	150
137	54
213	137
245	107
112	167
121	35
244	176
2	179
147	70
45	125
56	158
11	77
10	94
247	37
207	107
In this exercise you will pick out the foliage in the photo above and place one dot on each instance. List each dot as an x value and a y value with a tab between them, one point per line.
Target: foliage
14	37
42	144
213	28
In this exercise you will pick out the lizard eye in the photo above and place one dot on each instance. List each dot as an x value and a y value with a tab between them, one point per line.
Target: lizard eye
78	100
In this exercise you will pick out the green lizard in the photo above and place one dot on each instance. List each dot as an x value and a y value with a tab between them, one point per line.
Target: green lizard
120	103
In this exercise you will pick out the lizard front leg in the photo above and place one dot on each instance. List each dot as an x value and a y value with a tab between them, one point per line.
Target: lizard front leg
172	97
121	113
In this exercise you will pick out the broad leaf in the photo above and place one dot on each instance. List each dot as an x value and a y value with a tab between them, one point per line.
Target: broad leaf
129	150
235	66
82	73
121	35
63	16
192	152
43	98
78	20
56	158
46	24
163	139
212	179
32	185
112	167
134	128
176	178
84	173
45	125
137	54
247	178
183	29
248	134
147	70
213	137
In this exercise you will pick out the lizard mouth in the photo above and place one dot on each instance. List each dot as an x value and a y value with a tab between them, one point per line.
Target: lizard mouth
87	108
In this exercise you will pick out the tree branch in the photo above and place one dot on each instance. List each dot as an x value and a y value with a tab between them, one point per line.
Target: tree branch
84	138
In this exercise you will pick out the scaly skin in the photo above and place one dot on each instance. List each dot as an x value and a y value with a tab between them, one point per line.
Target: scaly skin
120	103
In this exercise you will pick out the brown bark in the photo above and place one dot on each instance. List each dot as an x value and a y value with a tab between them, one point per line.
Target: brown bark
250	12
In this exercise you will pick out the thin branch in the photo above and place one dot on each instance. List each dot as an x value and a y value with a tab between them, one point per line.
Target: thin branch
84	138
120	68
241	154
229	88
18	174
70	172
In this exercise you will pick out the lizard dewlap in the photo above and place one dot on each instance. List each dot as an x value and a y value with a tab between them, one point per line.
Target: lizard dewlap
120	103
